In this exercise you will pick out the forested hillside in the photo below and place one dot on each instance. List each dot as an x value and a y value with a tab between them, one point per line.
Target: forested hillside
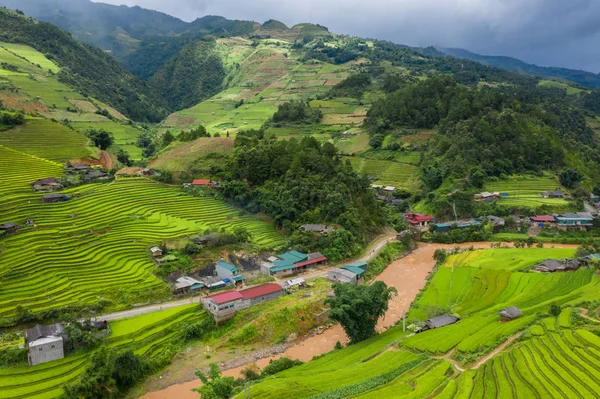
87	69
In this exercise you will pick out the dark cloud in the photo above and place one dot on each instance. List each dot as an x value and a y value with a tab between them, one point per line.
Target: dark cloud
545	32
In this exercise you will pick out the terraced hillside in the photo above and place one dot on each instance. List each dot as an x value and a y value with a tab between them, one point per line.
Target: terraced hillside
524	191
28	82
260	78
150	335
95	245
538	355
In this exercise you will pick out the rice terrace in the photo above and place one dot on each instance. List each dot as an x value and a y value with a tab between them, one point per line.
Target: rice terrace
224	209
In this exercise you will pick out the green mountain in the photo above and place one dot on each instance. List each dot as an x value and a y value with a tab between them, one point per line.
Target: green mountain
87	69
584	78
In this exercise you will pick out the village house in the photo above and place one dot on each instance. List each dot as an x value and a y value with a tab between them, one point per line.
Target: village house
77	167
510	313
291	262
551	265
225	305
418	219
45	343
340	275
185	285
437	322
590	259
156	252
9	227
541	220
96	175
487	196
204	183
295	282
49	198
47	184
229	273
146	172
574	220
553	194
459	224
214	283
316	228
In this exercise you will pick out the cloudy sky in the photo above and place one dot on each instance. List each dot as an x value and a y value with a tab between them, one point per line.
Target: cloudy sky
545	32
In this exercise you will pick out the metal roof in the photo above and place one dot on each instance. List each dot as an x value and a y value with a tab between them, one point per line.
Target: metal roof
260	290
510	313
227	296
441	321
228	266
356	270
360	263
185	282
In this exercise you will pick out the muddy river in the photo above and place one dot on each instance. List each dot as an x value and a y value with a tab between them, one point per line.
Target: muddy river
408	275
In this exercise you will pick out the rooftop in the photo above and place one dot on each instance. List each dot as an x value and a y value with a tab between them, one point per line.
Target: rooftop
511	313
441	321
356	270
260	290
202	182
185	282
228	266
227	296
418	217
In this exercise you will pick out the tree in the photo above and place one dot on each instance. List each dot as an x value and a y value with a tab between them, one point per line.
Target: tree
359	307
215	386
123	157
127	369
569	177
167	138
101	138
144	140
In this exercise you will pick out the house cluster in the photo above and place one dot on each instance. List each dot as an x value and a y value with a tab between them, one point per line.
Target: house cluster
88	173
553	265
497	223
507	314
486	196
226	275
380	187
565	221
418	219
224	305
291	262
354	273
557	194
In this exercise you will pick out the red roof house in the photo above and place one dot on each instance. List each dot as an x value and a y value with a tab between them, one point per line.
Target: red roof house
543	219
203	182
224	297
260	290
418	219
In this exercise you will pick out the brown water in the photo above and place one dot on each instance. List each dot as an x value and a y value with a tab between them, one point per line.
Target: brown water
408	275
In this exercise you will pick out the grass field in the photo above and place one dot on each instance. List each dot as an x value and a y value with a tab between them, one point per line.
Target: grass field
151	335
560	85
524	191
180	156
554	357
95	245
125	135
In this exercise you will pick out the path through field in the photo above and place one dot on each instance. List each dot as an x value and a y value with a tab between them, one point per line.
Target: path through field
106	160
408	275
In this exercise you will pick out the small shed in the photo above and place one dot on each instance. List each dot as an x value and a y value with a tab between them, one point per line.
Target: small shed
439	321
340	275
183	285
510	313
9	227
156	252
316	228
552	265
295	282
49	198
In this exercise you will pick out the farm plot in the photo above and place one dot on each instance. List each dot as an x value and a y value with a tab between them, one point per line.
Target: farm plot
525	191
95	244
553	359
46	139
149	336
402	175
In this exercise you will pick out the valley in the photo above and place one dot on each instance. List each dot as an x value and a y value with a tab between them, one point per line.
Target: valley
315	215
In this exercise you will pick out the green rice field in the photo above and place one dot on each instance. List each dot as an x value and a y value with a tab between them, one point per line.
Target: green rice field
95	245
150	335
555	357
46	139
524	191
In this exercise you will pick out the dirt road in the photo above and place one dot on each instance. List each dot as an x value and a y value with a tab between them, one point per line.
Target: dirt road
106	160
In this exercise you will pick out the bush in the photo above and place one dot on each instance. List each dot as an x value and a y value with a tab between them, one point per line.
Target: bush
276	366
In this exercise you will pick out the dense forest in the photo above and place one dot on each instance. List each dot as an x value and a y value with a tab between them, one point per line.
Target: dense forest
297	182
192	75
87	69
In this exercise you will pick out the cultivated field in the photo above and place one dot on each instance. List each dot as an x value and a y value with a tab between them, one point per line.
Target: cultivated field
401	175
553	356
95	245
524	191
150	335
